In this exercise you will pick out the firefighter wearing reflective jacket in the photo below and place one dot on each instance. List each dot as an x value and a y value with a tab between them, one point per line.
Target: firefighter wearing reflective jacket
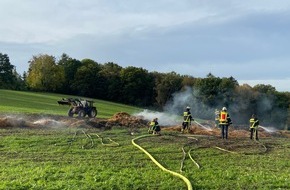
154	127
151	126
224	122
254	124
187	118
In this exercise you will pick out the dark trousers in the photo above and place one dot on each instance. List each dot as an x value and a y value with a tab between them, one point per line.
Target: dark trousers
185	125
224	130
254	130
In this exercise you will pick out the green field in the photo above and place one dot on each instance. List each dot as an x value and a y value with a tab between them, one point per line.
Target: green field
92	158
46	103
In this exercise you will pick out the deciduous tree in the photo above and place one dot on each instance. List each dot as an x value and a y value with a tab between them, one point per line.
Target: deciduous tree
44	74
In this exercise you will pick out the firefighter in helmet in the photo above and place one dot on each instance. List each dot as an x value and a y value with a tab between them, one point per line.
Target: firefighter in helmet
151	126
156	127
224	122
254	124
187	118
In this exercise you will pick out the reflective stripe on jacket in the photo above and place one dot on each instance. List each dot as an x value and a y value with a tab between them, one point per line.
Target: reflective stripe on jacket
186	116
224	118
254	123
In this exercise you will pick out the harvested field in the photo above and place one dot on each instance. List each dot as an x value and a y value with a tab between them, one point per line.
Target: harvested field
208	136
121	119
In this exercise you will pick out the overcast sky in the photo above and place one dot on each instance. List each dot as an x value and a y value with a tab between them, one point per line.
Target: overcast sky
248	40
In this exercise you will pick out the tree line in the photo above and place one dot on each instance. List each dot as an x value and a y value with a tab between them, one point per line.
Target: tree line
139	87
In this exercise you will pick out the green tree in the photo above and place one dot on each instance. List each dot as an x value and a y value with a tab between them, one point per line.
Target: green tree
263	88
166	85
44	74
137	86
209	89
7	73
87	80
112	81
243	104
70	67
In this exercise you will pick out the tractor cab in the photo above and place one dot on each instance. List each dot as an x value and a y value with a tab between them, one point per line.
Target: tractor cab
80	107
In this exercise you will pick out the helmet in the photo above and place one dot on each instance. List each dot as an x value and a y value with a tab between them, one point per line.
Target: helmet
187	107
224	109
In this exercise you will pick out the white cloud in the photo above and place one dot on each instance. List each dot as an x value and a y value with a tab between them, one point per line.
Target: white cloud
243	39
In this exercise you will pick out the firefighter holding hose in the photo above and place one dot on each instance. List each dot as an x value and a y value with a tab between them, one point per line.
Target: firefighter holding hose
187	118
154	127
254	124
224	122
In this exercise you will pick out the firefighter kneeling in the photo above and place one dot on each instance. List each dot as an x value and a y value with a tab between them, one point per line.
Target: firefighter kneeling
154	127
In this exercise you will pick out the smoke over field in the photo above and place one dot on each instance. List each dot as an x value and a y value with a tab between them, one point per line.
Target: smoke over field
132	123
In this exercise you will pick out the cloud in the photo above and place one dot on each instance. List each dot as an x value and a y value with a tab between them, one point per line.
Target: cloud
243	39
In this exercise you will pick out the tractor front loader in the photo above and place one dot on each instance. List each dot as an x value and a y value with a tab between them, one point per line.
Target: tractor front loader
80	107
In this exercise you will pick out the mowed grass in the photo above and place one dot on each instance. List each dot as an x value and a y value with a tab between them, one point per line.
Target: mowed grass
75	158
46	103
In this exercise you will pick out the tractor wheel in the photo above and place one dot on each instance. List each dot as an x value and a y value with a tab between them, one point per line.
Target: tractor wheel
82	113
70	112
93	113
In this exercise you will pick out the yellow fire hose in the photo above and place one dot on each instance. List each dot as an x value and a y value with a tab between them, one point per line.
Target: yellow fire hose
189	186
193	159
113	143
184	153
225	150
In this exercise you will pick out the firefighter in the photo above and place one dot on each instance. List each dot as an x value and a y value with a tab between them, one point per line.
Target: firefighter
187	118
224	122
151	126
217	117
156	127
254	124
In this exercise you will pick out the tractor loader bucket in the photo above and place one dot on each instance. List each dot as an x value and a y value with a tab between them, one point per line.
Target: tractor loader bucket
64	102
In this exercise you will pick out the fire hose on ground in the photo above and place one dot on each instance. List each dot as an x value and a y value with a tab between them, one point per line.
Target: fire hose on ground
189	186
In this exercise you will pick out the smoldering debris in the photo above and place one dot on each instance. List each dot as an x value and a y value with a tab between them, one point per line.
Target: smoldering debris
121	119
125	120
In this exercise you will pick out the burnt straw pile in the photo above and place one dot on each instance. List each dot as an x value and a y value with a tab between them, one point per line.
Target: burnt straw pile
121	119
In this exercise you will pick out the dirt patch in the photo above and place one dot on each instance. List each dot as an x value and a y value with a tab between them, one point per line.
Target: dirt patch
121	119
234	132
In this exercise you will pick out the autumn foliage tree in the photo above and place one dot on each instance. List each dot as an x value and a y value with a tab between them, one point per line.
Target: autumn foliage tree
44	74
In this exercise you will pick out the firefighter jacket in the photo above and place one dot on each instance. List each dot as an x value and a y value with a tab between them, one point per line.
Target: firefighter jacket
254	122
187	116
224	118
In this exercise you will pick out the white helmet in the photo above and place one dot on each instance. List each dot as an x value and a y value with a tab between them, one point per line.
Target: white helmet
188	107
224	109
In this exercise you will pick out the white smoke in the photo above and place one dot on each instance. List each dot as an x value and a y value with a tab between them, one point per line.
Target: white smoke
173	109
189	97
49	122
164	119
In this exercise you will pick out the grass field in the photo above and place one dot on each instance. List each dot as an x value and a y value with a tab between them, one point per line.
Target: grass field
46	103
84	158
